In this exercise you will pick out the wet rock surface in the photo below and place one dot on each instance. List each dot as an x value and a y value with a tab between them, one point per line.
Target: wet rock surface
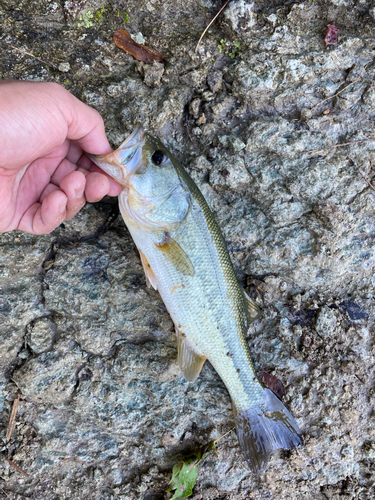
104	410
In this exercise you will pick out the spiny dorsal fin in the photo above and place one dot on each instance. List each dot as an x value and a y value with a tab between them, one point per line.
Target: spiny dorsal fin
189	361
176	255
150	275
253	310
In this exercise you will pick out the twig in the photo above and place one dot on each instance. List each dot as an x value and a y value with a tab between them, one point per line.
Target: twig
359	379
223	436
340	145
14	465
308	98
12	418
204	32
32	55
368	182
187	128
339	92
6	494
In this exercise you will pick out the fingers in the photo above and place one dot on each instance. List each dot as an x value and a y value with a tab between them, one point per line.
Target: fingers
56	205
65	194
86	164
40	116
81	186
44	218
73	185
75	155
97	186
114	187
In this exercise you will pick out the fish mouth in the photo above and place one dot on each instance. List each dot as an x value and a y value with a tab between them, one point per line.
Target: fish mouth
125	159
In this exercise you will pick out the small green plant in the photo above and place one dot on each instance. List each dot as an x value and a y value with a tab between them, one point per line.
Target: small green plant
230	49
184	476
86	20
222	45
124	15
185	472
99	15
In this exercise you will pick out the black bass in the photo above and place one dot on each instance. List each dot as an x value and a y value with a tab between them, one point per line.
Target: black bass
185	258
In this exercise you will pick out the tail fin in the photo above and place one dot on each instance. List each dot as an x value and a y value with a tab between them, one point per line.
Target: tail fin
265	427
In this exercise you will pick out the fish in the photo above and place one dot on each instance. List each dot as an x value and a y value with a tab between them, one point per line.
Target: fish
184	257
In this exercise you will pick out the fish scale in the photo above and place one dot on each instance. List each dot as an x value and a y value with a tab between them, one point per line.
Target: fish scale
205	305
185	258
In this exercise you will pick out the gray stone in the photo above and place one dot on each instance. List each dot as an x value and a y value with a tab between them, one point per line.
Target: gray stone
151	72
326	322
215	80
104	411
41	335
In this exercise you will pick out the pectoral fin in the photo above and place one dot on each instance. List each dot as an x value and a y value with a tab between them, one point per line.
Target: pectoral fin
252	309
150	276
189	361
176	255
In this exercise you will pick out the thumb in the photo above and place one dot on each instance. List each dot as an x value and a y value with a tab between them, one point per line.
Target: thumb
85	125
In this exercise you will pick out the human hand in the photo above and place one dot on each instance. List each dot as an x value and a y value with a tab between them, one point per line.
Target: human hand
45	177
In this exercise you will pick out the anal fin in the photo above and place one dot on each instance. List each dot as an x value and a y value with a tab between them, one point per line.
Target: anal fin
189	361
150	275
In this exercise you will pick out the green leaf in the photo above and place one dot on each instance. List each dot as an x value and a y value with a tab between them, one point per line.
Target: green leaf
185	472
184	476
174	481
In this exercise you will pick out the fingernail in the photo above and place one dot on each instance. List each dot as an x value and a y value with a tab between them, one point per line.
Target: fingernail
79	193
62	208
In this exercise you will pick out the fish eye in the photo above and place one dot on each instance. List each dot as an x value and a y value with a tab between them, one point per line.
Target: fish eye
158	157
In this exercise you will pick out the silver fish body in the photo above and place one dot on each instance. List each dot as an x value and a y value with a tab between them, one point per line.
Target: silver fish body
185	259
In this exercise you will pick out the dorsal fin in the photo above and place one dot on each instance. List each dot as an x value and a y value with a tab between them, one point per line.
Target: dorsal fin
253	310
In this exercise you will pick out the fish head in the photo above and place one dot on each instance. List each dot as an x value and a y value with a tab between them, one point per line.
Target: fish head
125	160
141	161
154	194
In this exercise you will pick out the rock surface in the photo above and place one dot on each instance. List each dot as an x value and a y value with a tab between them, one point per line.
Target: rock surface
104	410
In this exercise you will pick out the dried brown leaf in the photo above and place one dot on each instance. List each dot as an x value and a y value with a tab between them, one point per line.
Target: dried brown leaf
142	53
273	383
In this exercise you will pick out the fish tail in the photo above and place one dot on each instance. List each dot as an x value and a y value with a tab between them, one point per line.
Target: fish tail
265	427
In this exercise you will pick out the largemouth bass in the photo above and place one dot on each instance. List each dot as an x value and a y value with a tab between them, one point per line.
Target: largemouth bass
185	258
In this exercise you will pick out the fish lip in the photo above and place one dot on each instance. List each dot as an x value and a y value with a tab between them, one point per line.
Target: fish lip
135	138
125	159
